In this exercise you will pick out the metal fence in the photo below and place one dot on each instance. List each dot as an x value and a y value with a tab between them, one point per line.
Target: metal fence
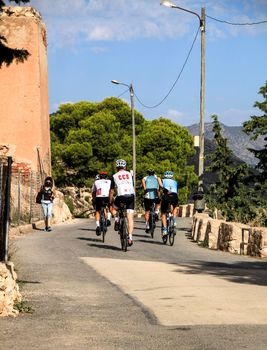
18	189
5	186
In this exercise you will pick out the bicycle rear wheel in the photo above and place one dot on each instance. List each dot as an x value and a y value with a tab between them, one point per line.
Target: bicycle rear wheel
103	228
124	236
171	231
103	225
152	224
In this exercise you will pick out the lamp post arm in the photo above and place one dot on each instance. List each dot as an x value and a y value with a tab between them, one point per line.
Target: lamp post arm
194	13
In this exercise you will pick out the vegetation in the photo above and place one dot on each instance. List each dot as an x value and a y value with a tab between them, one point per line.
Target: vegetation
239	194
7	54
88	137
23	307
256	127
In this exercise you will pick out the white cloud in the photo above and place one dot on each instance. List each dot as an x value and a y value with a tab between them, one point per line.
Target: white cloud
175	115
106	20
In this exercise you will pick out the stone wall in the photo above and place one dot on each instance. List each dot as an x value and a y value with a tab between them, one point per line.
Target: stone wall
232	237
9	291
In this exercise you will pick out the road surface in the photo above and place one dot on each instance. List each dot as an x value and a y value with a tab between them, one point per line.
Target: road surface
90	295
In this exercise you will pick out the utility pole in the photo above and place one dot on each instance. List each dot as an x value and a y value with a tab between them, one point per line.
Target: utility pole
202	103
133	133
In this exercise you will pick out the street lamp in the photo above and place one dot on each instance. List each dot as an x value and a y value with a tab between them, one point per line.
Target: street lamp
168	3
131	90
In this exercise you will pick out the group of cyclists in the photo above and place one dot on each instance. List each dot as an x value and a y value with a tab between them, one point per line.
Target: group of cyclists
121	182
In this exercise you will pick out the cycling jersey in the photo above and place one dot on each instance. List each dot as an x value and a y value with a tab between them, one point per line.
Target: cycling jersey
170	185
124	183
101	187
152	186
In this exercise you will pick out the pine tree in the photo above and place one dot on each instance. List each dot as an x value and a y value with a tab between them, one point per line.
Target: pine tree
257	127
230	193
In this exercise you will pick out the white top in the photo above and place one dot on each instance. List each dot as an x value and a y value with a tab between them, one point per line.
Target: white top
124	182
101	187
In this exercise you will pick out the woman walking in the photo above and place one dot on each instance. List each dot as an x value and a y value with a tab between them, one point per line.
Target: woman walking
47	197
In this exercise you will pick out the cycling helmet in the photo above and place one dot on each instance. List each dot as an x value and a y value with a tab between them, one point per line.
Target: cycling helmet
168	174
150	171
103	174
97	177
120	163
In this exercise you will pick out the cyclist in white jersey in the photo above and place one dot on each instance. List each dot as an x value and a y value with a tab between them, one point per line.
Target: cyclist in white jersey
100	191
123	182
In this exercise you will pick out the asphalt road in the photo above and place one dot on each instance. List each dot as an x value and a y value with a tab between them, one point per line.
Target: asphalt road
90	295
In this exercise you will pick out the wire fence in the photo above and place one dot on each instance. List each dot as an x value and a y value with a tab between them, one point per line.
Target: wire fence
25	185
24	188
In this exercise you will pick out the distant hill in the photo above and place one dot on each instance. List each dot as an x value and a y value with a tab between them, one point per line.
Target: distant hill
238	141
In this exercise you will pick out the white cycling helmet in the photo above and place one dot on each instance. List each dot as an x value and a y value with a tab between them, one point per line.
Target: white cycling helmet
120	163
168	174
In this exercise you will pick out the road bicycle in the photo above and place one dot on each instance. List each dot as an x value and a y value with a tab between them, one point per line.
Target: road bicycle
170	227
152	220
123	226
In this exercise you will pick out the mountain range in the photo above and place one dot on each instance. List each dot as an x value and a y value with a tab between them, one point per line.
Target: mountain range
238	141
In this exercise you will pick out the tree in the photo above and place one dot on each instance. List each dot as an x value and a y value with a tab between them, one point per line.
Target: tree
231	193
257	127
105	126
7	54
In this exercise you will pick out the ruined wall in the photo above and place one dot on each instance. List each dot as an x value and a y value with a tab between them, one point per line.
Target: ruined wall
24	113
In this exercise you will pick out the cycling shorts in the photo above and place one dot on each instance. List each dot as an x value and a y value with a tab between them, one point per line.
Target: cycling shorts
128	200
171	198
100	202
148	202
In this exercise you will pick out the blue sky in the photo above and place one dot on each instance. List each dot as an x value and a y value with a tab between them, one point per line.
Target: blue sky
91	42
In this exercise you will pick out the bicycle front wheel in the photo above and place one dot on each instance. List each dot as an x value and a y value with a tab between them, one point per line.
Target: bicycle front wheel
103	231
171	231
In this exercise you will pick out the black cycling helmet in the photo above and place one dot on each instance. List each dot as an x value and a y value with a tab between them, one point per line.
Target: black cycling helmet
150	171
103	174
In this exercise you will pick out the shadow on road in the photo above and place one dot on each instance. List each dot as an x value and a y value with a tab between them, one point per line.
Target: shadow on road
150	242
28	282
105	246
87	229
90	239
253	272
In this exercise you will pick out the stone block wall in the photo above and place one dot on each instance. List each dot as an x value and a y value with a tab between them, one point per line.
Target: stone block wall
232	237
9	290
257	244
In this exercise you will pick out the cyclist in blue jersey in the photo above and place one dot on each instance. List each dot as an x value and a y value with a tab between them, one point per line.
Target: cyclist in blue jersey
170	196
151	185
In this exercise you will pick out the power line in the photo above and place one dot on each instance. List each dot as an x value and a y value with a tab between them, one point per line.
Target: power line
123	93
237	24
173	85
